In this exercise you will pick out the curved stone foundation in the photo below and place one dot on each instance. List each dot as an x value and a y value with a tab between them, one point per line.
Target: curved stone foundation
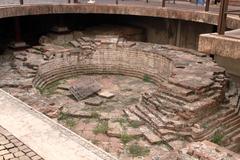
190	82
190	87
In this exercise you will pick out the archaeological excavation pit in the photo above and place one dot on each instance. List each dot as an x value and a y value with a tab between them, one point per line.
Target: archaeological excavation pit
114	86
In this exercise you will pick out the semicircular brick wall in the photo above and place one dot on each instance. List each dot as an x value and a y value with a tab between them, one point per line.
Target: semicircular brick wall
124	61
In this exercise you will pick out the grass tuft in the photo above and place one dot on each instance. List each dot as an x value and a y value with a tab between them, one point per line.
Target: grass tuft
67	120
135	124
95	115
136	150
102	127
125	138
217	138
121	120
146	78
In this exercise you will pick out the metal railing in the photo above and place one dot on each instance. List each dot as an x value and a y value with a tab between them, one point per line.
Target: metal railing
223	12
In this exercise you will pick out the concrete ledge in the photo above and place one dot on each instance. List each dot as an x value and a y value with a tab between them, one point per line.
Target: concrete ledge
224	46
233	22
49	139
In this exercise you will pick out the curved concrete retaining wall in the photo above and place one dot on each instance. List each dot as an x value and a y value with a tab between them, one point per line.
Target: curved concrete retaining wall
121	9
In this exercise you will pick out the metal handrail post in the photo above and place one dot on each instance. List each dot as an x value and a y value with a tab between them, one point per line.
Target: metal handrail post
207	5
222	17
163	3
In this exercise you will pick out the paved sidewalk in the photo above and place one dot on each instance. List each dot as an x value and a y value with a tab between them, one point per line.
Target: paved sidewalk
13	149
48	139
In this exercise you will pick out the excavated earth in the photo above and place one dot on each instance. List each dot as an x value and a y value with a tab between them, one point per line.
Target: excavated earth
151	101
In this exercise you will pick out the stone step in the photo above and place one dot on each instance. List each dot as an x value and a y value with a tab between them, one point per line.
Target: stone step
206	135
171	98
209	93
186	98
157	113
221	112
152	118
164	132
163	110
212	126
215	117
179	90
229	118
143	117
229	132
233	122
236	138
168	105
139	114
150	135
235	147
192	83
131	116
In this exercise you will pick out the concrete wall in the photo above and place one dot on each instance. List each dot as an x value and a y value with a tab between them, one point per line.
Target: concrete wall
233	22
170	31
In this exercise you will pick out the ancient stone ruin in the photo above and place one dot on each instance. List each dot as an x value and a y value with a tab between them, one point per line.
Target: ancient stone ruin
182	102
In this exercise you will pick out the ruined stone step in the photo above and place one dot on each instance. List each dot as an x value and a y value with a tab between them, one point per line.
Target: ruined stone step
176	89
215	116
131	116
236	137
162	114
171	99
212	125
209	93
208	133
229	118
217	86
164	132
152	118
192	83
231	131
158	114
235	147
170	137
139	114
228	132
168	105
160	106
150	135
186	98
233	122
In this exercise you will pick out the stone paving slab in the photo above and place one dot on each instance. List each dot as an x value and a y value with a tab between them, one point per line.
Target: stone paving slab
13	149
47	138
